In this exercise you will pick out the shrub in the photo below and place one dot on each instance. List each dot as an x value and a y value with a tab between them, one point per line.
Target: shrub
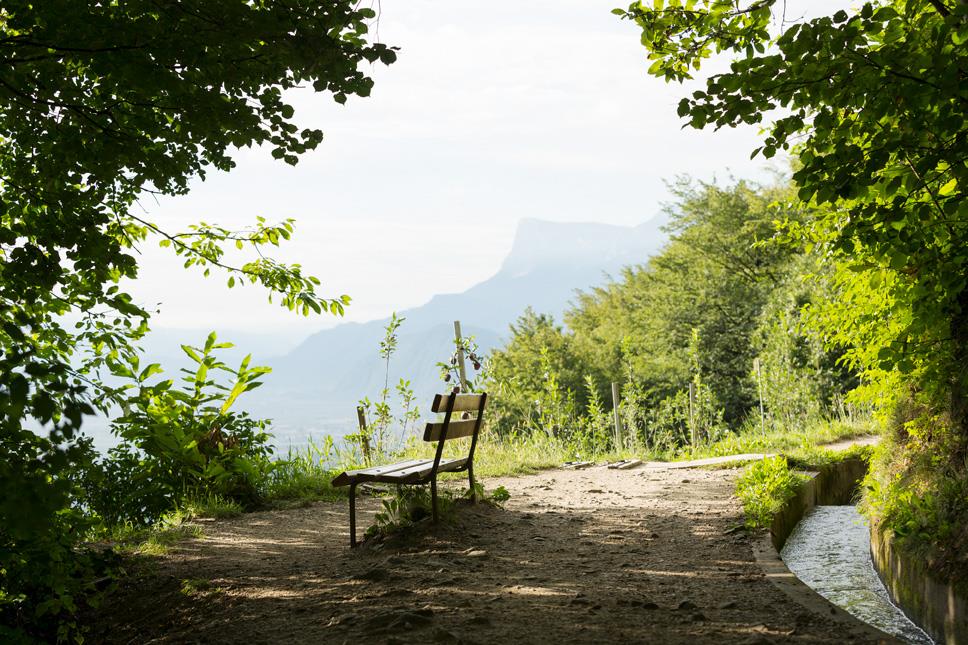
182	443
764	487
917	487
45	576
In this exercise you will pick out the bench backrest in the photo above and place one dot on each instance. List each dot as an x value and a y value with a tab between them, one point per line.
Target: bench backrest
454	407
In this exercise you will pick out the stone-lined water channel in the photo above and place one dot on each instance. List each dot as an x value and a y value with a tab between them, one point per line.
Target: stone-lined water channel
829	550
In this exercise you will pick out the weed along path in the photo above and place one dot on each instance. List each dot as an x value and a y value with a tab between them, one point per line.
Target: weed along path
649	555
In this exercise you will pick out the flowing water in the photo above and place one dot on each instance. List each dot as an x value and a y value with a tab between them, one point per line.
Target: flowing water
829	550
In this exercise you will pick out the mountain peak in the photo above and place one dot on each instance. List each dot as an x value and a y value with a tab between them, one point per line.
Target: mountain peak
543	243
547	263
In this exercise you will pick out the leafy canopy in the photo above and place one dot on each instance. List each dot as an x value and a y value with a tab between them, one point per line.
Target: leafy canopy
102	103
872	102
873	105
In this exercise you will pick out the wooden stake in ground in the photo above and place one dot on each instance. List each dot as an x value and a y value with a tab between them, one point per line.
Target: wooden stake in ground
618	418
364	437
460	356
759	387
692	413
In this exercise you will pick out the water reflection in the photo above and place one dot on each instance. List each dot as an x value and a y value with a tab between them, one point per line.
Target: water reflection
830	551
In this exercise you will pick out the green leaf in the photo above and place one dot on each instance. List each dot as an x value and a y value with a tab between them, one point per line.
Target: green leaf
149	371
192	354
948	188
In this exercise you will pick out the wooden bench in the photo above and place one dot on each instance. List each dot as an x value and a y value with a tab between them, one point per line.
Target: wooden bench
423	471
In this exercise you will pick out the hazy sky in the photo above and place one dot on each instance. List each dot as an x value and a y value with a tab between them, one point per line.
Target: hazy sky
493	112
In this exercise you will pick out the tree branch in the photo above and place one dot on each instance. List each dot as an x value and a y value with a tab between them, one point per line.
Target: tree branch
940	7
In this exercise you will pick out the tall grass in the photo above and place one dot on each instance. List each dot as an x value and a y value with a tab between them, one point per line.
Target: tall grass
750	439
306	474
496	456
764	487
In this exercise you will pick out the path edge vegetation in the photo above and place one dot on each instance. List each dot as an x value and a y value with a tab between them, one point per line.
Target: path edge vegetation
766	486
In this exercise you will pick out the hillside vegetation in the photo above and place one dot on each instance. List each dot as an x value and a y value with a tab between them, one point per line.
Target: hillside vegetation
707	339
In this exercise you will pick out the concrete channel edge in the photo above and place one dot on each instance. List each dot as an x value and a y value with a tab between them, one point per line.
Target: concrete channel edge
833	485
938	608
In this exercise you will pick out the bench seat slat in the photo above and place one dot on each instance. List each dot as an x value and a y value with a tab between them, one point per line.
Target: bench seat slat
456	430
350	475
405	472
418	472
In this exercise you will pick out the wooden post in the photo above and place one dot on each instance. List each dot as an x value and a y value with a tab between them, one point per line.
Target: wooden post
692	413
618	417
364	437
759	388
460	356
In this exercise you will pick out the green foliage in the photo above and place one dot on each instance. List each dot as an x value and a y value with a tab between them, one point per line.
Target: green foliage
534	378
873	106
379	429
173	527
814	457
799	378
667	425
195	587
679	35
711	280
306	475
402	509
593	431
406	507
681	335
768	484
499	495
465	348
203	245
495	456
410	414
764	487
45	578
182	442
917	487
797	443
382	433
212	506
100	104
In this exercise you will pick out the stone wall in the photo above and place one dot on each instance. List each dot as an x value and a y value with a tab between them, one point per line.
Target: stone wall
938	608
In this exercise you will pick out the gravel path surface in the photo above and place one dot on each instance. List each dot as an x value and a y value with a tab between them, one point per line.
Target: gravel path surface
590	556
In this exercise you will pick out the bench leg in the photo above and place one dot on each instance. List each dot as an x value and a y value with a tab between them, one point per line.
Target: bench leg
470	481
352	515
433	498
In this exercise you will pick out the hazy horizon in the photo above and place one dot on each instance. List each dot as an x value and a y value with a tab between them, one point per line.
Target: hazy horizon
541	110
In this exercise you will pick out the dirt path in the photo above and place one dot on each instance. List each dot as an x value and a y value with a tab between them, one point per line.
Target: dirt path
590	556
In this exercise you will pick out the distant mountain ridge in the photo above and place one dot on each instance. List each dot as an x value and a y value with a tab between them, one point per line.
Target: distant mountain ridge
315	387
